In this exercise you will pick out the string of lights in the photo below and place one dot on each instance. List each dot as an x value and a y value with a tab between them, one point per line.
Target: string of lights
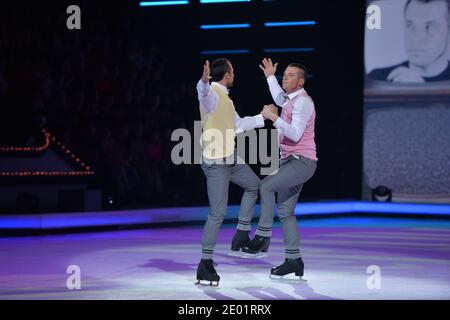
49	140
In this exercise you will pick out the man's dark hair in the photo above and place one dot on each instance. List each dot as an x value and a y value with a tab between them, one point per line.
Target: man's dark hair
218	69
303	69
428	1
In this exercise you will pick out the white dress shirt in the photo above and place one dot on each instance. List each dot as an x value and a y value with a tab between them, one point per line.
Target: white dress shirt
209	102
301	112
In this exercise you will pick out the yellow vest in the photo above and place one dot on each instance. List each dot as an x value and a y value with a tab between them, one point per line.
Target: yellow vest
218	128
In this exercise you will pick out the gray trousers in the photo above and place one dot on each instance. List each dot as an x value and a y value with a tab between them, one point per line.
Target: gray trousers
287	182
218	177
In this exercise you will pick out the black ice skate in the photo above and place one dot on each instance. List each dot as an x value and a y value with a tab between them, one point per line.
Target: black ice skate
239	241
206	274
257	247
291	269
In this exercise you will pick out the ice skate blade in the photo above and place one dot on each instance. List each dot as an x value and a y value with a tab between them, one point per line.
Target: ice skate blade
207	283
235	253
288	277
259	255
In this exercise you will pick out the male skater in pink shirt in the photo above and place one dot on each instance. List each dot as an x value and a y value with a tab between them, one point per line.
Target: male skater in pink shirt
298	163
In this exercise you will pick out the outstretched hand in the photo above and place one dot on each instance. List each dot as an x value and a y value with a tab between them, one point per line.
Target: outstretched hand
206	72
268	67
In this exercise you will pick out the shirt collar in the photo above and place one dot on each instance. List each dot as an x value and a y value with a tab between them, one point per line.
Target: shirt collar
294	94
221	86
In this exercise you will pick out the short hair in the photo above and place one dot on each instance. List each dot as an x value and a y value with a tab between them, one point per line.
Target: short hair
218	69
303	70
428	1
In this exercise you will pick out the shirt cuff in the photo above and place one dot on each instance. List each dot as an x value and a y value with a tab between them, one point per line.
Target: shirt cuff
259	120
202	86
277	124
272	79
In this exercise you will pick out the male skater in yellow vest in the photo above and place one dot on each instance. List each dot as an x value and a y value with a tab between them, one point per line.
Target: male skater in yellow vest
220	123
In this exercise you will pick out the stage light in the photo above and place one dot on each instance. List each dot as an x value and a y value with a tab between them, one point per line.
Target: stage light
274	50
217	52
225	26
289	23
382	194
222	1
162	3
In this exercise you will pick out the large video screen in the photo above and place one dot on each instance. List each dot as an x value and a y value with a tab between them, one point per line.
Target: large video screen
407	101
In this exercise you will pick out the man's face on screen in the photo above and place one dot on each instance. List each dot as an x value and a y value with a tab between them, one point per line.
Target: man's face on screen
426	31
292	80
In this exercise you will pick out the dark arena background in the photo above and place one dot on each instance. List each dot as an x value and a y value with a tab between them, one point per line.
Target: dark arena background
93	207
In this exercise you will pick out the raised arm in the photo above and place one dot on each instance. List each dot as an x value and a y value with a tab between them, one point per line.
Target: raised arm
276	91
208	98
